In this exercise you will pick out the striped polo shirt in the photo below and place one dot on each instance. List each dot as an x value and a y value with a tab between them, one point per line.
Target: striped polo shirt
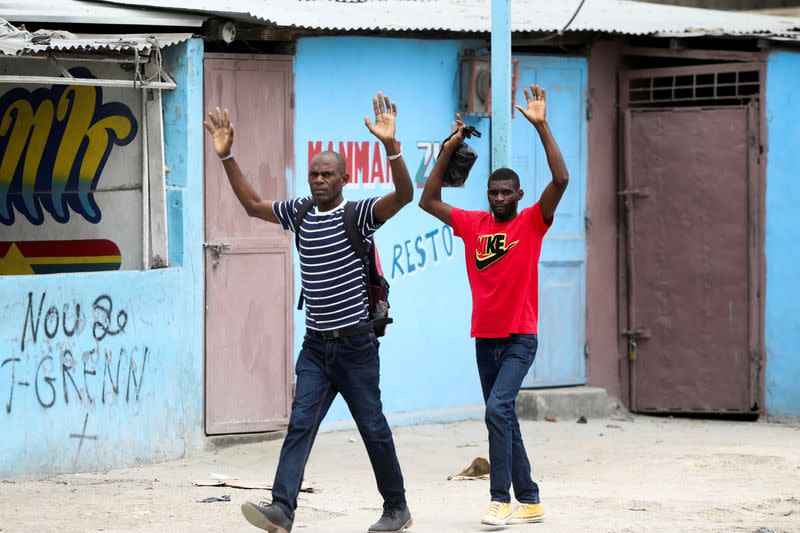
334	284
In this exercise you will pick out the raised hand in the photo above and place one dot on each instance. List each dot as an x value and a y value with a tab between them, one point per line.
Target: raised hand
536	103
221	130
385	116
457	138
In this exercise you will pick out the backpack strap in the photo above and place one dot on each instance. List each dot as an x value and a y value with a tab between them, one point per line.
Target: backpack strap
369	260
299	215
354	234
368	256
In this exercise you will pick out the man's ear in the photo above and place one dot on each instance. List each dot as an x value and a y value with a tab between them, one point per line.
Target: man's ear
521	194
346	178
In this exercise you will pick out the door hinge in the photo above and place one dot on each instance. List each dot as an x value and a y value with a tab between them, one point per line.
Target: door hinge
587	220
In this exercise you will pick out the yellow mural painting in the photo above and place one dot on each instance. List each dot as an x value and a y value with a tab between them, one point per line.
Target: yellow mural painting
54	144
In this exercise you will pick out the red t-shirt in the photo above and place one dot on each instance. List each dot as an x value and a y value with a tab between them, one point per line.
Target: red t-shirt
503	269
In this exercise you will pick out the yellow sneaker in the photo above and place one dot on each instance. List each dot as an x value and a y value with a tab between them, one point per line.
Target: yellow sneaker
497	515
527	513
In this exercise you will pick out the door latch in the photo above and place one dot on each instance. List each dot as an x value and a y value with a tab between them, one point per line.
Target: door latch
633	340
635	193
217	248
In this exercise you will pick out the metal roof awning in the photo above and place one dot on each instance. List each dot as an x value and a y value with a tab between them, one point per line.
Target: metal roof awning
59	47
605	16
17	41
83	12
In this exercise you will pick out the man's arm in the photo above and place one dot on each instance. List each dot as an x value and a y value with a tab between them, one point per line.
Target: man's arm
384	129
221	130
535	113
431	200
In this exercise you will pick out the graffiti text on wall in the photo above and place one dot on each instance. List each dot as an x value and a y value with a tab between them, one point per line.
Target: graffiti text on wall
54	143
364	160
415	254
430	149
68	358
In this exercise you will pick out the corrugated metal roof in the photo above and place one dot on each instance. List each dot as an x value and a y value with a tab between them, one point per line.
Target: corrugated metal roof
607	16
15	41
82	12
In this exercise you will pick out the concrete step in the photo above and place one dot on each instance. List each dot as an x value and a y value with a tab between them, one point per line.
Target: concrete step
567	403
217	442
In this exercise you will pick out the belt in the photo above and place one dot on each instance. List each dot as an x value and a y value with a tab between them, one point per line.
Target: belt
349	331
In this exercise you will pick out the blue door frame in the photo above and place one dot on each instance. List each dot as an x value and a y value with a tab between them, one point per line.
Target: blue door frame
562	265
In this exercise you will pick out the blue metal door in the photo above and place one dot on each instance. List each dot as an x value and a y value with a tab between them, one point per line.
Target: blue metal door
562	265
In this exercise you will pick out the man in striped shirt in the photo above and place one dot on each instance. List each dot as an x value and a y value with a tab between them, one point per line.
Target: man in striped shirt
340	351
334	289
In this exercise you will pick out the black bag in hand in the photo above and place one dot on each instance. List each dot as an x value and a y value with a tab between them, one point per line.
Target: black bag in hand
462	160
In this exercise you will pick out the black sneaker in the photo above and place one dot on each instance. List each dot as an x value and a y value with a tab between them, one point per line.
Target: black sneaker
269	517
392	521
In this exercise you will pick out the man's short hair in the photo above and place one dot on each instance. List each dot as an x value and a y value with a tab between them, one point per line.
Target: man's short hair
339	159
502	174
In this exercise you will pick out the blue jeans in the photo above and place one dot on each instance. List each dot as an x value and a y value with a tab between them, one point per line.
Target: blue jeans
502	365
325	367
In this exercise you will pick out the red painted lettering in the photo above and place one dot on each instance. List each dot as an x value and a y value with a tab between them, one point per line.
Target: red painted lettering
347	152
377	166
313	149
360	162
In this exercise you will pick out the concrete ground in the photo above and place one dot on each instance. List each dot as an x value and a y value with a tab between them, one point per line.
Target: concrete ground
622	475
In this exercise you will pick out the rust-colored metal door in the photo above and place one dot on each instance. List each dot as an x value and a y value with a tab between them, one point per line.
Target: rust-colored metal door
248	261
691	196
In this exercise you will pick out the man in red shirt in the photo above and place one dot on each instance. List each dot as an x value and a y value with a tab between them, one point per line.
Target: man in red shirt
502	253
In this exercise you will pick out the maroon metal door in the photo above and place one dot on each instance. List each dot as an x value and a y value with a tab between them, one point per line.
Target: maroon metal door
248	261
690	196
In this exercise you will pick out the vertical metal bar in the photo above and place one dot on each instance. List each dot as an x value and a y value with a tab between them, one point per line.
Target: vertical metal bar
159	236
501	83
145	187
754	245
627	171
761	180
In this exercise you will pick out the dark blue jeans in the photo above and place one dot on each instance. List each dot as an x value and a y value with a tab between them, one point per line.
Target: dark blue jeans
325	367
502	365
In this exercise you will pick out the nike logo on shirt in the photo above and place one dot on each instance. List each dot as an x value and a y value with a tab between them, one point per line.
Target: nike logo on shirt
494	247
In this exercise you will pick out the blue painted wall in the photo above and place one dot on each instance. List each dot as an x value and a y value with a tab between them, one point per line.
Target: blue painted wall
781	319
113	357
427	357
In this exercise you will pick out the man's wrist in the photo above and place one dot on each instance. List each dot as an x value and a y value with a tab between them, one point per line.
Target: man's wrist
541	125
449	149
391	147
226	157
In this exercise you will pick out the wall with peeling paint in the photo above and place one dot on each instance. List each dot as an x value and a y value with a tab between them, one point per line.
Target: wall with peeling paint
104	369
